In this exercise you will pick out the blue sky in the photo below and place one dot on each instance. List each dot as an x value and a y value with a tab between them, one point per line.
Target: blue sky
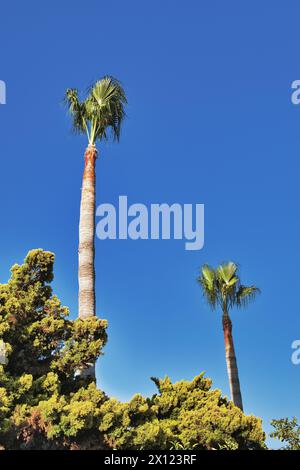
210	120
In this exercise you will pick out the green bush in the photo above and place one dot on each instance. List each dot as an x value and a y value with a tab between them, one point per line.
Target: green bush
45	405
287	431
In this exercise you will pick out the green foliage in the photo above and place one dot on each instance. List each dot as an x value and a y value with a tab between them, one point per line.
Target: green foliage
186	415
101	111
287	431
222	287
43	347
44	404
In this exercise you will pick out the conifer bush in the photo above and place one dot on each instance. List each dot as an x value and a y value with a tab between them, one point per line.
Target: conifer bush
45	404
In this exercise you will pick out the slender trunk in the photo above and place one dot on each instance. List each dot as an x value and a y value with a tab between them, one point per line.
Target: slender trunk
86	251
232	368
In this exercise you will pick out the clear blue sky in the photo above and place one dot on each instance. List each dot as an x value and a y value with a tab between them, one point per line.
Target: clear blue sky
210	121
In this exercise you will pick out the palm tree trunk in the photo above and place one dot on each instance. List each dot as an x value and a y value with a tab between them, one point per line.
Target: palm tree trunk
232	368
86	251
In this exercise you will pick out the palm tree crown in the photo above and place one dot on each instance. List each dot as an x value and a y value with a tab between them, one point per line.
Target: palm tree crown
222	287
102	110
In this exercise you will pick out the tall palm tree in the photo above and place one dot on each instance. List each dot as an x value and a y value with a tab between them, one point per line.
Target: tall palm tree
222	288
99	116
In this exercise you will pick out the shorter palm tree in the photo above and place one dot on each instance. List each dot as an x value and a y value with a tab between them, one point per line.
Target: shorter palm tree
222	288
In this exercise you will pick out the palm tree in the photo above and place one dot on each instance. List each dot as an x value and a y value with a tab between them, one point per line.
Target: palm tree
99	116
222	287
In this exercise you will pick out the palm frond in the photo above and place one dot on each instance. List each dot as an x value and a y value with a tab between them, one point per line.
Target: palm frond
108	99
102	113
207	282
222	286
226	273
76	109
246	294
227	283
